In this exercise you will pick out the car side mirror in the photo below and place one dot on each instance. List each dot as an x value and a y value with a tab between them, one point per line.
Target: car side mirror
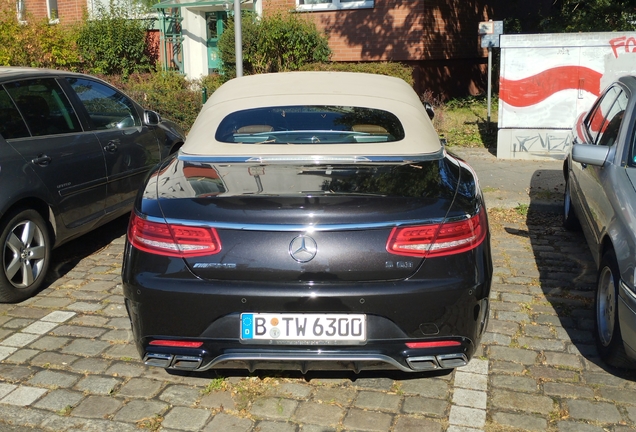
429	110
590	154
151	118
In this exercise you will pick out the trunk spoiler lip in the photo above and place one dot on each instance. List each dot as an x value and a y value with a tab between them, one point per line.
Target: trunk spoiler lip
304	227
315	159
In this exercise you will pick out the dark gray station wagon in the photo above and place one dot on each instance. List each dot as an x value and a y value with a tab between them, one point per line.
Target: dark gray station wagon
73	153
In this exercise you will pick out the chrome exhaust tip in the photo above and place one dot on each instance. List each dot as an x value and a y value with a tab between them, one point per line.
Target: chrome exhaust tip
423	363
452	361
182	362
158	360
442	361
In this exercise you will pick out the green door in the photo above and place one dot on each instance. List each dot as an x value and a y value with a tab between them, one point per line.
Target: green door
215	22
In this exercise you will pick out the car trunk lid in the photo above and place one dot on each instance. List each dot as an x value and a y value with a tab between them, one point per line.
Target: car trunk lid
319	223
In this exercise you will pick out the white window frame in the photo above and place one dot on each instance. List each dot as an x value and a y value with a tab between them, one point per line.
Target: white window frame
49	11
335	5
21	11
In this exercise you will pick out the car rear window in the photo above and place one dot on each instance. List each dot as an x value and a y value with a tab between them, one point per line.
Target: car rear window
11	123
310	125
44	106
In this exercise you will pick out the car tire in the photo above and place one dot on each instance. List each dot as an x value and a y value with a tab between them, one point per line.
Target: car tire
26	254
609	340
570	221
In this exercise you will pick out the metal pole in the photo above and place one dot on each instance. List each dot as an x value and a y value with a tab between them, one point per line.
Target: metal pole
238	38
489	84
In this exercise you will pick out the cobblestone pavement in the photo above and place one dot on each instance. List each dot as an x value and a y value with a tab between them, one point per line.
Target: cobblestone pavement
67	362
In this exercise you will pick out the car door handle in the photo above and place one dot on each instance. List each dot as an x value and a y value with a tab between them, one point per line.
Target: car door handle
42	160
111	146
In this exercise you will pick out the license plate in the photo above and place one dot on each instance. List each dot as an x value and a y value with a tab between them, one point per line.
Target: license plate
296	328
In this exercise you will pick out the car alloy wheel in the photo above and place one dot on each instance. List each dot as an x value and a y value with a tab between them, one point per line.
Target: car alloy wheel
609	340
606	306
25	255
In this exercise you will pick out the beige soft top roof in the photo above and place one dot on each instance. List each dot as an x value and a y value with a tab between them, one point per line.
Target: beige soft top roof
314	88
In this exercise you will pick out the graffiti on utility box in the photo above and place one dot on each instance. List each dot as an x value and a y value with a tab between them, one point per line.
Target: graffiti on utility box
538	142
547	80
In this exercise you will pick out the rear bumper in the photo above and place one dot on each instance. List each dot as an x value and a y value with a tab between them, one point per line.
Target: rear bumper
176	305
384	356
375	354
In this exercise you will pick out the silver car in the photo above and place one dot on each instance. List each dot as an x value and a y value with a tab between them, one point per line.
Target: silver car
600	198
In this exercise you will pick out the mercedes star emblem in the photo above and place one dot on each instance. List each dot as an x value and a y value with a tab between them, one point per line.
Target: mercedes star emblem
303	248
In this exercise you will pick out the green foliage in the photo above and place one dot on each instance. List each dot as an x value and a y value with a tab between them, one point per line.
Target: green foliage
169	93
397	70
211	83
217	384
145	5
522	209
113	43
590	16
35	43
464	122
469	102
276	43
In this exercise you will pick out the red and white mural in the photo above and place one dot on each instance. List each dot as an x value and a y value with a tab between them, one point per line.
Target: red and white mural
547	80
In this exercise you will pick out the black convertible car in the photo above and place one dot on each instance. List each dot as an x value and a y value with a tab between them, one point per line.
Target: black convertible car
312	220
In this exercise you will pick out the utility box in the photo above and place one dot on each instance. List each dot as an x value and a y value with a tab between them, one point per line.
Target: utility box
547	80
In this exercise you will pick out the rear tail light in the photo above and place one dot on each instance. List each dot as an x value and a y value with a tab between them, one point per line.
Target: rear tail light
439	239
176	343
433	344
173	240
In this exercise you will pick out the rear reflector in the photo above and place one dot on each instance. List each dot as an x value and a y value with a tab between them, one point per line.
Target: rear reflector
176	343
172	240
433	344
439	239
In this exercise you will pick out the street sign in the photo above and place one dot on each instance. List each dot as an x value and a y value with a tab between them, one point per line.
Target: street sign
490	32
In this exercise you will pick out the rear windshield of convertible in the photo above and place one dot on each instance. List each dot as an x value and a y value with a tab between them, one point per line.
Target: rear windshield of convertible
310	125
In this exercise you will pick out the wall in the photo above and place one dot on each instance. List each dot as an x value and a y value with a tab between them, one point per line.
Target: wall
69	11
438	38
195	53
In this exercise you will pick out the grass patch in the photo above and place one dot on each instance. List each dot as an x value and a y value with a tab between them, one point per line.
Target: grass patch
150	423
66	411
522	209
464	122
247	391
216	384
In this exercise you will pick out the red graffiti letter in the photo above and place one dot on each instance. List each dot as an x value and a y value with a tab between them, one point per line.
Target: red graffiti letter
616	43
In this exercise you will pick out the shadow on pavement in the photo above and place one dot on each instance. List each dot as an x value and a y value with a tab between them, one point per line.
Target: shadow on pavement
67	256
311	375
567	278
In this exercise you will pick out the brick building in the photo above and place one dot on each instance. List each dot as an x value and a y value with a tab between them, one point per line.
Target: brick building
438	38
66	11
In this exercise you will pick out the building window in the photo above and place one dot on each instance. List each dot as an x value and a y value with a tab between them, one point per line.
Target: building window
320	5
21	10
54	18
